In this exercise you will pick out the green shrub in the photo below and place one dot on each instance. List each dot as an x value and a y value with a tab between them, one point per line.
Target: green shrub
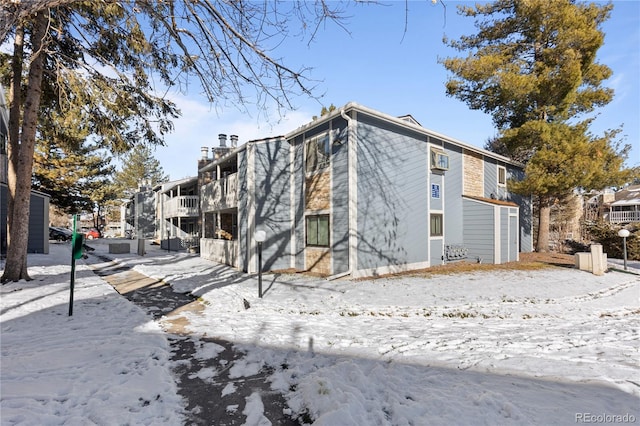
607	234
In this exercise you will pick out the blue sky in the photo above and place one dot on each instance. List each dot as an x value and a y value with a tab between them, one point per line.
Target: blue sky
378	65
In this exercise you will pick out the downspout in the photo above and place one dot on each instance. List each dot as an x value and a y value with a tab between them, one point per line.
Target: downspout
353	196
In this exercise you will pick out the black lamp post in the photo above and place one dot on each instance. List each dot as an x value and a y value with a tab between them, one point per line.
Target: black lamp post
624	233
260	236
168	238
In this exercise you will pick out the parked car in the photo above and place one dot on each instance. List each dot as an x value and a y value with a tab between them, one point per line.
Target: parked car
59	234
93	233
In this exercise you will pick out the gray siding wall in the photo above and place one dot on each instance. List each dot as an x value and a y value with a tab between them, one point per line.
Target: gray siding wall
36	224
3	219
526	212
145	214
504	234
490	177
273	202
453	212
340	200
392	201
436	252
38	241
479	230
437	178
243	220
513	235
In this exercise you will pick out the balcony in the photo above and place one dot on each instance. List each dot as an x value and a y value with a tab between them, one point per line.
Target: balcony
220	194
627	216
182	206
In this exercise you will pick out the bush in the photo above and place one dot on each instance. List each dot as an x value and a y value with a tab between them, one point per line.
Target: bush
607	235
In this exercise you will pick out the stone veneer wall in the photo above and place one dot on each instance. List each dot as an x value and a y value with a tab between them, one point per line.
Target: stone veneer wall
318	260
318	198
473	174
318	192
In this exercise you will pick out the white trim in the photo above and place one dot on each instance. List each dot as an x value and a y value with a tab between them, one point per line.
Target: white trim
430	211
331	212
352	165
497	235
430	146
353	106
320	135
517	216
292	202
501	185
391	269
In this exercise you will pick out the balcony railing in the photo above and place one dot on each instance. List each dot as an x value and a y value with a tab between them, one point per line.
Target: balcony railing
183	206
220	194
624	216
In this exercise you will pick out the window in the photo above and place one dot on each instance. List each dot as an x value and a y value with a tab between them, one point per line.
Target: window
318	153
502	176
318	230
436	224
439	160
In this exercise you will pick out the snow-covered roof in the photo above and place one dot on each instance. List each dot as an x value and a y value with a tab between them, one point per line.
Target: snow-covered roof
630	196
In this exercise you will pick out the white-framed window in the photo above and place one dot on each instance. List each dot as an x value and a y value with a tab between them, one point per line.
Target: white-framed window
318	152
317	230
439	160
502	176
435	225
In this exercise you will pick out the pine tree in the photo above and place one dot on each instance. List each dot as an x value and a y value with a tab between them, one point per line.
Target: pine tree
138	167
70	177
531	65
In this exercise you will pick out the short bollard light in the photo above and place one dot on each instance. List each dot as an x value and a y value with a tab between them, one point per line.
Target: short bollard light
624	233
260	236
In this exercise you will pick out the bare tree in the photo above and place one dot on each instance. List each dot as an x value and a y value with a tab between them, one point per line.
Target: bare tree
105	60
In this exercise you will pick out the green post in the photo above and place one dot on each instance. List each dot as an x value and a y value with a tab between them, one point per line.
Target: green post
76	253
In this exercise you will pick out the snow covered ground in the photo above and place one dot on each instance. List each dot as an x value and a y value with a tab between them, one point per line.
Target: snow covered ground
555	346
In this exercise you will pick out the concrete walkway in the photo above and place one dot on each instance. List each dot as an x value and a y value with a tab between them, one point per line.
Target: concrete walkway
206	403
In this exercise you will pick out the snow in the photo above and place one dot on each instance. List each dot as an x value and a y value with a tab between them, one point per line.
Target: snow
552	346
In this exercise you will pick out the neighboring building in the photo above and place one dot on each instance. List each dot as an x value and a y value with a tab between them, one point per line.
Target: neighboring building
625	208
358	192
177	213
139	214
39	209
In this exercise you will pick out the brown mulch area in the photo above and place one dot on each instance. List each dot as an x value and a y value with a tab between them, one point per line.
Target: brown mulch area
528	261
557	259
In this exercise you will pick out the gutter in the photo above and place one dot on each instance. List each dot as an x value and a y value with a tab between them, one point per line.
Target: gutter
353	195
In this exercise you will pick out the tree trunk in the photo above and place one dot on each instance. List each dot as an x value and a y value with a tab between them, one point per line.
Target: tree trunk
20	152
544	214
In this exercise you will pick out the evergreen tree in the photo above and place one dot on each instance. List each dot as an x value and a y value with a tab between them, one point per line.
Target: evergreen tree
532	67
70	177
324	111
138	167
98	57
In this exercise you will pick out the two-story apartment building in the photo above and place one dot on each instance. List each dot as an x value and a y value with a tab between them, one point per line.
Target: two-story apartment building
358	192
177	213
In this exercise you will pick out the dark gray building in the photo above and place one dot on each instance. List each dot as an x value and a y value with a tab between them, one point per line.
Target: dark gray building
39	210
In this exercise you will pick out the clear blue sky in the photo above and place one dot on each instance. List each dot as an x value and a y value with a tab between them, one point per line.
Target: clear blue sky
380	66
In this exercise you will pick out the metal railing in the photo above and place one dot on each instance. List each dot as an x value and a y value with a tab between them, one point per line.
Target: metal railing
182	206
220	194
624	216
